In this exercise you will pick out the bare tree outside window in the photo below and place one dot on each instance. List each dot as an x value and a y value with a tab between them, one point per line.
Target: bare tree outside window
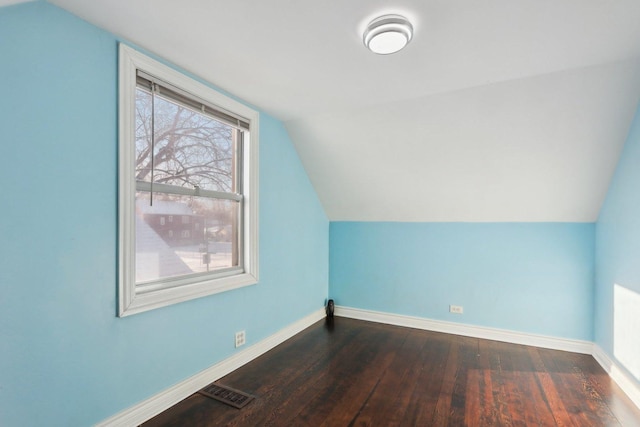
190	148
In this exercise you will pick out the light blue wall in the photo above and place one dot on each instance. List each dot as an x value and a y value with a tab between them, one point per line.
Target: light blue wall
66	359
525	277
618	257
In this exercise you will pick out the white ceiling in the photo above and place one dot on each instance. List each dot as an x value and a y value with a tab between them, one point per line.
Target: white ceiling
535	149
498	110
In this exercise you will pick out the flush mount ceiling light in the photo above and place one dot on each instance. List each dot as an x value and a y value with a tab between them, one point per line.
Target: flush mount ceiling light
388	34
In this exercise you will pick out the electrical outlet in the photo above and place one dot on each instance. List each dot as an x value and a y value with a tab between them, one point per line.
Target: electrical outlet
241	338
457	309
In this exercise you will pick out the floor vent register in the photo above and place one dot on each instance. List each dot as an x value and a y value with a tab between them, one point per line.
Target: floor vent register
227	395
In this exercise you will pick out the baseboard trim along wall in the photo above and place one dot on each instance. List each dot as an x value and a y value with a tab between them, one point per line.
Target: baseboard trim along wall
576	346
162	401
617	373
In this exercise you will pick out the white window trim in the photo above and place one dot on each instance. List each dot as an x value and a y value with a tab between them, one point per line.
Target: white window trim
129	300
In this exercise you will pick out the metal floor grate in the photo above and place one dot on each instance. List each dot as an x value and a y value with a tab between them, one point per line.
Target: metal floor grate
227	395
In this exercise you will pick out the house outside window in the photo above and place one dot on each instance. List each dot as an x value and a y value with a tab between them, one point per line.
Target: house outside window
185	150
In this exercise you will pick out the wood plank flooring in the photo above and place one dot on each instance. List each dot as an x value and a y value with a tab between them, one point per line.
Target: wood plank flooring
353	373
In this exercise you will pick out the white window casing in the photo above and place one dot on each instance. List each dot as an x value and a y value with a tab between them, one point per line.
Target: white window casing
133	298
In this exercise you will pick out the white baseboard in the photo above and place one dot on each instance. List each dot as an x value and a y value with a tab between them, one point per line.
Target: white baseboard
152	406
575	346
629	385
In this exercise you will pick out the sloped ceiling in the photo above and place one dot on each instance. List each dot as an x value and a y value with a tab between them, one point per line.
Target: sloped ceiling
498	110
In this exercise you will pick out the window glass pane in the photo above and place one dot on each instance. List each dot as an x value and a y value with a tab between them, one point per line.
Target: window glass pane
199	239
190	148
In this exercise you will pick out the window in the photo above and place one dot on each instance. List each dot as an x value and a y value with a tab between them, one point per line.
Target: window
185	150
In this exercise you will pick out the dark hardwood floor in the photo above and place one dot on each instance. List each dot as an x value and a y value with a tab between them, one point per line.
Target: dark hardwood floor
354	373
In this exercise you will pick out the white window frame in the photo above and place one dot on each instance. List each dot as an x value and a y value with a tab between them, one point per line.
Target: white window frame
130	299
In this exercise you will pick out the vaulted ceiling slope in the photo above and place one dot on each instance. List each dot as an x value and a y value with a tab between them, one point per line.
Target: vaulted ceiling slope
498	110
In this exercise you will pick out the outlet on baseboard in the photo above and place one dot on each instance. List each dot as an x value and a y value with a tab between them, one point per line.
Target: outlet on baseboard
241	338
457	309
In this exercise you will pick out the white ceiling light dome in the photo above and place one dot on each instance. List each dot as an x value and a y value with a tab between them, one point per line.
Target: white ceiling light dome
388	34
